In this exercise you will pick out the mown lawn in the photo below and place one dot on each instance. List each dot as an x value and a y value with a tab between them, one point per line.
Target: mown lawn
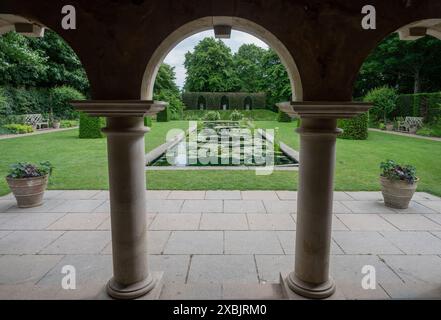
82	164
357	166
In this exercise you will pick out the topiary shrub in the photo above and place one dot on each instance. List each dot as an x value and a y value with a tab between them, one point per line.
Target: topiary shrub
148	122
283	117
164	115
355	128
60	101
90	127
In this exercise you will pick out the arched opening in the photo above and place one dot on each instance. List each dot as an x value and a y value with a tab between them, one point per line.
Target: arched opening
248	103
202	103
208	23
224	103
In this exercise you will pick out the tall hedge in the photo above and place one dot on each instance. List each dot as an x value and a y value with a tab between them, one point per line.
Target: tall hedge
355	128
213	100
164	115
19	101
90	127
283	117
426	105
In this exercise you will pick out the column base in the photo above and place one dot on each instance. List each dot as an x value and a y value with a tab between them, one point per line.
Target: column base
150	288
292	285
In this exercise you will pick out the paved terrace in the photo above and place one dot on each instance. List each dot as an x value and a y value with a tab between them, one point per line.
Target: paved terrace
220	244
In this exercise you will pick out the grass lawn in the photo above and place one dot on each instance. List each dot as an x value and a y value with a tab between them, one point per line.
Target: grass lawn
357	166
82	164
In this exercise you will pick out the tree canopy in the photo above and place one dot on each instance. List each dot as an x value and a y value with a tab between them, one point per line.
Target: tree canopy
40	62
407	66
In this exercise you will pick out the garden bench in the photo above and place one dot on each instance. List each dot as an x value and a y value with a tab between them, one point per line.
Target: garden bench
410	124
36	120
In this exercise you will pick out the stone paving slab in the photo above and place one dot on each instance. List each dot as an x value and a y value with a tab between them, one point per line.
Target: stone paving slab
364	242
246	237
195	242
252	242
412	222
420	277
223	195
415	242
186	195
222	269
223	222
207	206
178	221
79	242
366	222
27	242
30	221
244	206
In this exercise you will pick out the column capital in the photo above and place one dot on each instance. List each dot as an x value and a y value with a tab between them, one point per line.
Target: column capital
324	109
119	108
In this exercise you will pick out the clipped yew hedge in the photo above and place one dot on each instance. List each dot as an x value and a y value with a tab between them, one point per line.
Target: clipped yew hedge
426	105
212	100
164	115
283	117
355	128
90	127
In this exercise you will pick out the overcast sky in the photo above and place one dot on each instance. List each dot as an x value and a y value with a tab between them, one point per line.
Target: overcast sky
176	57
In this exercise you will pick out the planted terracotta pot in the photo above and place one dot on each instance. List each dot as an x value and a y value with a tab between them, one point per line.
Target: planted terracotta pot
28	191
397	194
56	125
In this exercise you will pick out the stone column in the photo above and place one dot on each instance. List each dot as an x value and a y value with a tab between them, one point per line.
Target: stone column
318	133
126	157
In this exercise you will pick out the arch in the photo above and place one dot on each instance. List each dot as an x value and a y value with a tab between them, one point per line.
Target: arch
224	103
208	23
248	103
202	103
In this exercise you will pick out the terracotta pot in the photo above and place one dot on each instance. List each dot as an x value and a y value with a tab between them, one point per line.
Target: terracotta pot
56	125
389	127
28	191
397	194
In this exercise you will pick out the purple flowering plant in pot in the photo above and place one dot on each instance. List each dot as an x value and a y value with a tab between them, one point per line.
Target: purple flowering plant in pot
28	182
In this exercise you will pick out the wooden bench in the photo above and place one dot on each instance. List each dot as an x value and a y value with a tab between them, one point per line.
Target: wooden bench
36	120
410	124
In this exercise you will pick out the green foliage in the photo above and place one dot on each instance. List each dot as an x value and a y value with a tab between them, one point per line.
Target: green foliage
90	127
384	100
69	123
19	101
212	116
409	66
210	68
60	101
148	122
431	130
395	172
276	82
426	105
283	117
355	128
248	66
22	170
164	115
16	128
165	89
236	116
40	62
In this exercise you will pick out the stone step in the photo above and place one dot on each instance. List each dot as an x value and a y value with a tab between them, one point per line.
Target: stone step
226	291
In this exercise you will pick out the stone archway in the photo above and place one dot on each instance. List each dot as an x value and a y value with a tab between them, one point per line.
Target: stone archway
208	23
